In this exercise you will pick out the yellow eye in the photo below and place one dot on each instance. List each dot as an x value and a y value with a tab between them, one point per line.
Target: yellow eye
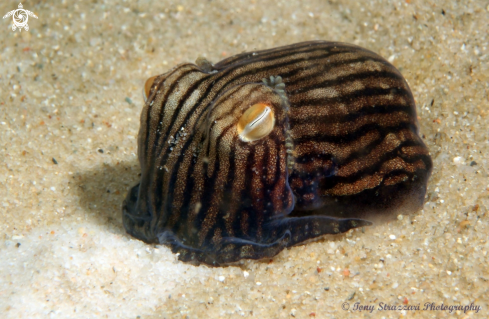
147	87
256	123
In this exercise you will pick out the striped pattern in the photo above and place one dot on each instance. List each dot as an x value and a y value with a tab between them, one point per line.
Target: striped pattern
344	148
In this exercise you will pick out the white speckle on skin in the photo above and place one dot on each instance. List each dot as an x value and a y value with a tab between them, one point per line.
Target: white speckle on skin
322	93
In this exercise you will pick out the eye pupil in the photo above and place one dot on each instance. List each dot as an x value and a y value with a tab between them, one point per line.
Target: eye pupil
256	122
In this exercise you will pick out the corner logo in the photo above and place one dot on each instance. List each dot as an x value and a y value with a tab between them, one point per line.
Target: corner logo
20	18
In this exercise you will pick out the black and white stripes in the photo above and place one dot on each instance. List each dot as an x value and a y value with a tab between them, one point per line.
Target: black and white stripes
344	147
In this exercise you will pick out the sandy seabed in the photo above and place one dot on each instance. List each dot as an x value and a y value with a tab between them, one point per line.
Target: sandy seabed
70	100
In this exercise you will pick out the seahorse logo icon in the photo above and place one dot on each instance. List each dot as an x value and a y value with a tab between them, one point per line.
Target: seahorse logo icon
20	18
